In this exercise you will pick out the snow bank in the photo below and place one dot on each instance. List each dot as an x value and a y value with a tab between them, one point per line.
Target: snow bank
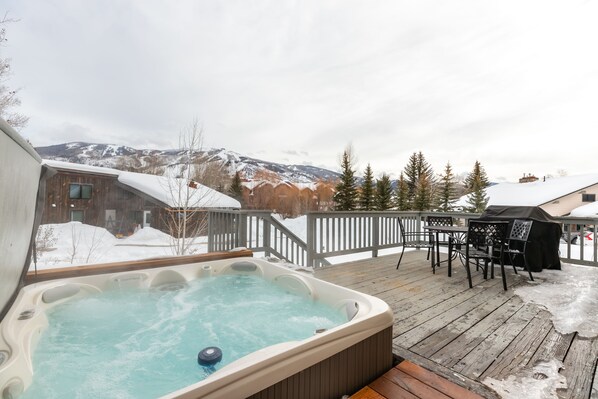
147	236
77	244
570	295
541	382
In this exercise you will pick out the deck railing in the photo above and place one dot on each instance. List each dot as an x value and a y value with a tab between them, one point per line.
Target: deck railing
255	230
342	233
332	234
575	249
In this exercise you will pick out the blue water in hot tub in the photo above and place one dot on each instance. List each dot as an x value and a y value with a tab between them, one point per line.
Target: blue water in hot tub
144	343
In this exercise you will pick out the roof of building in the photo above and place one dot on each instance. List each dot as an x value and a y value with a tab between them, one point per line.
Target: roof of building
586	211
536	193
173	192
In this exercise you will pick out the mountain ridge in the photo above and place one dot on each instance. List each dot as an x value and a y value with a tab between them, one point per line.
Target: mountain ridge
125	157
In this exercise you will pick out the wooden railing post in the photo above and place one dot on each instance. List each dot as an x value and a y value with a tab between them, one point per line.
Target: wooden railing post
210	232
311	242
375	235
242	229
267	245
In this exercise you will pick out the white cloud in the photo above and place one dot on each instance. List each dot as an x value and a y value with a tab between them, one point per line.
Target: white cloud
506	82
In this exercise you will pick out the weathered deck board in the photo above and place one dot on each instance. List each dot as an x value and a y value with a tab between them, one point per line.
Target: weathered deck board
410	381
465	335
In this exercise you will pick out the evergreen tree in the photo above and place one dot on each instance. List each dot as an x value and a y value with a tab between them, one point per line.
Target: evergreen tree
447	193
478	173
417	167
367	195
345	197
383	193
411	176
423	194
402	194
476	183
236	190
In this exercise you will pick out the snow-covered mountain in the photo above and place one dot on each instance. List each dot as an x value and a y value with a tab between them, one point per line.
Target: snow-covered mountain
121	157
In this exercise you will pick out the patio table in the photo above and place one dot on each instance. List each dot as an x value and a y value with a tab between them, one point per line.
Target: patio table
452	232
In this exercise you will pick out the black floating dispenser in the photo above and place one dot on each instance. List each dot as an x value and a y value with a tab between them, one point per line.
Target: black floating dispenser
209	356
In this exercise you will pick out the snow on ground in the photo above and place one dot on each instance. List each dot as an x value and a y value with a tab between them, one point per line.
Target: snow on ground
75	244
570	295
541	382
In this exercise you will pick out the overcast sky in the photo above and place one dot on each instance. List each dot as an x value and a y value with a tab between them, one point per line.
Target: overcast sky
511	83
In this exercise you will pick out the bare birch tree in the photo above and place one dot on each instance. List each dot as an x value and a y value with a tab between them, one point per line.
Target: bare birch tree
187	218
8	96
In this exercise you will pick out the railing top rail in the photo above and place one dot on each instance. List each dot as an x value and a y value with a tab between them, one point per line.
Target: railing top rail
240	211
289	233
577	220
340	214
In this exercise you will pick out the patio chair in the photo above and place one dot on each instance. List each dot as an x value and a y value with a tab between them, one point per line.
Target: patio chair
414	239
485	241
439	221
517	243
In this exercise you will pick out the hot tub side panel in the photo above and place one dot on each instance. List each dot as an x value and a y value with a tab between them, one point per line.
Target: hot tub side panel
343	373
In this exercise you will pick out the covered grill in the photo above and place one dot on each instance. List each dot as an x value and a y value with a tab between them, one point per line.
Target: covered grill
542	251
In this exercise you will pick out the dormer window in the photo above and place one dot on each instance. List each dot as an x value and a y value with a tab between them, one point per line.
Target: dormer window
80	191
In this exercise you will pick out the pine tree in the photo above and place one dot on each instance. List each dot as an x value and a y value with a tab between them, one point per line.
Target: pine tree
367	195
477	173
411	176
383	193
345	197
402	194
236	190
423	194
476	183
417	167
447	193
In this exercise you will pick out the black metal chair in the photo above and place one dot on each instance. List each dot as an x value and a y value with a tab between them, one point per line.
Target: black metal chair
517	243
439	221
485	241
414	239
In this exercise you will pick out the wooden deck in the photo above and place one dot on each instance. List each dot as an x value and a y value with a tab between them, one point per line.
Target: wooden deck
466	335
410	381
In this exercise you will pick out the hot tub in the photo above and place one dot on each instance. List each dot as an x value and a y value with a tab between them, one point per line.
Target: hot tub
328	364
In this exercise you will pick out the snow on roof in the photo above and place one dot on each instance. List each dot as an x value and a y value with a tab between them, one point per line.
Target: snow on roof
170	191
77	167
177	192
586	211
303	186
536	193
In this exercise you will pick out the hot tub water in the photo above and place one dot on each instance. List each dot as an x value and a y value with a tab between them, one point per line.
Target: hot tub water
139	343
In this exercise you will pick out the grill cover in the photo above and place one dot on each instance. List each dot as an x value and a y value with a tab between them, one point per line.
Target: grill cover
542	250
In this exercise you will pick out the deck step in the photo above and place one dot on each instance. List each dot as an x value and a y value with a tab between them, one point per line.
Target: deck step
408	380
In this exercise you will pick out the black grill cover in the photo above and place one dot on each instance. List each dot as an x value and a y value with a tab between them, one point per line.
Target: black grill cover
542	251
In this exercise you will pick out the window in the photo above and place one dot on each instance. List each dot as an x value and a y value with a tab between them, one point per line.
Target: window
80	191
77	216
588	198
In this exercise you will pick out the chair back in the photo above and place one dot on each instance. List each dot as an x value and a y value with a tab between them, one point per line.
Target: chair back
520	230
402	230
487	233
439	221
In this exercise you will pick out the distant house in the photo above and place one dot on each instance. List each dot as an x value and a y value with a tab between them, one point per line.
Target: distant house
557	196
528	178
286	198
120	201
